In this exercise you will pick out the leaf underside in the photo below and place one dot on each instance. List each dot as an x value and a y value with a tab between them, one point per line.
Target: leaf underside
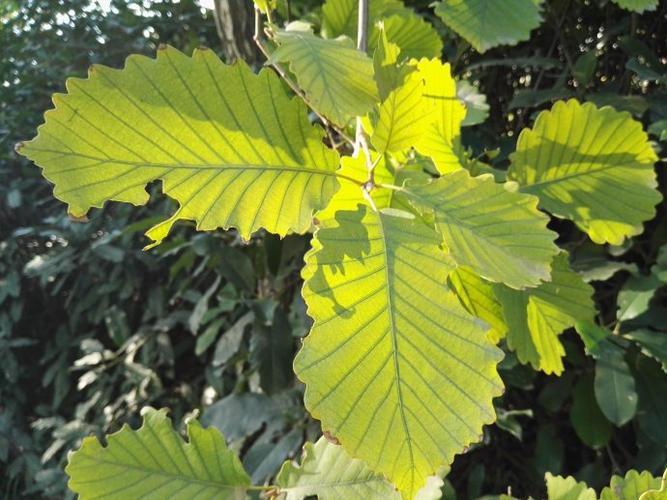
410	375
631	486
154	462
403	27
536	317
328	472
440	139
592	166
229	145
486	23
496	232
336	77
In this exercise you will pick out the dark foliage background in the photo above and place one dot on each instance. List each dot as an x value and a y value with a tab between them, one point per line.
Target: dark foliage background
92	328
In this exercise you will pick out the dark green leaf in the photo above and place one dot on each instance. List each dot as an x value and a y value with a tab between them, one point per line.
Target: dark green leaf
588	420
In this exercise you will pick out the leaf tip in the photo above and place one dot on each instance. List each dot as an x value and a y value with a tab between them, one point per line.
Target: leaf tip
78	218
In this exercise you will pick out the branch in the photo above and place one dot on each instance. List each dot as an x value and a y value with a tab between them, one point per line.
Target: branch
362	26
360	142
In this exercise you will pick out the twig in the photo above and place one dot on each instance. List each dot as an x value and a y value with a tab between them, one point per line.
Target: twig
360	137
362	45
362	26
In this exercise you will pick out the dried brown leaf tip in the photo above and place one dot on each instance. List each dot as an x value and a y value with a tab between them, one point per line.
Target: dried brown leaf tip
330	437
82	219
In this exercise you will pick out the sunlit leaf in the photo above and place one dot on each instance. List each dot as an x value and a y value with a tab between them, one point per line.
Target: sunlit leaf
567	488
592	166
328	472
415	36
410	32
478	297
498	233
631	486
154	462
657	493
388	73
487	23
336	77
637	5
234	154
536	317
394	367
403	117
350	195
441	141
339	17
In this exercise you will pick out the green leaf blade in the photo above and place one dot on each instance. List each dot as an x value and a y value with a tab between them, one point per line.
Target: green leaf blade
638	6
496	232
486	24
327	471
633	485
336	77
154	462
243	155
537	316
614	384
402	117
567	488
394	367
592	166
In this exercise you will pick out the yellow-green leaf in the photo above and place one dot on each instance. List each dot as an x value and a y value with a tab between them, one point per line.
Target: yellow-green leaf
489	23
414	35
328	472
479	299
441	139
339	17
657	494
408	30
567	488
495	231
592	166
229	145
154	462
536	317
403	117
394	367
388	73
336	77
631	486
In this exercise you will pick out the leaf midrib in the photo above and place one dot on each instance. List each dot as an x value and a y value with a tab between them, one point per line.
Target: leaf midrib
204	166
334	485
175	477
526	188
394	342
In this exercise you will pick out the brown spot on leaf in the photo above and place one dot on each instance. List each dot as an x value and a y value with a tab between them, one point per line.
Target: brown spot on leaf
330	437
